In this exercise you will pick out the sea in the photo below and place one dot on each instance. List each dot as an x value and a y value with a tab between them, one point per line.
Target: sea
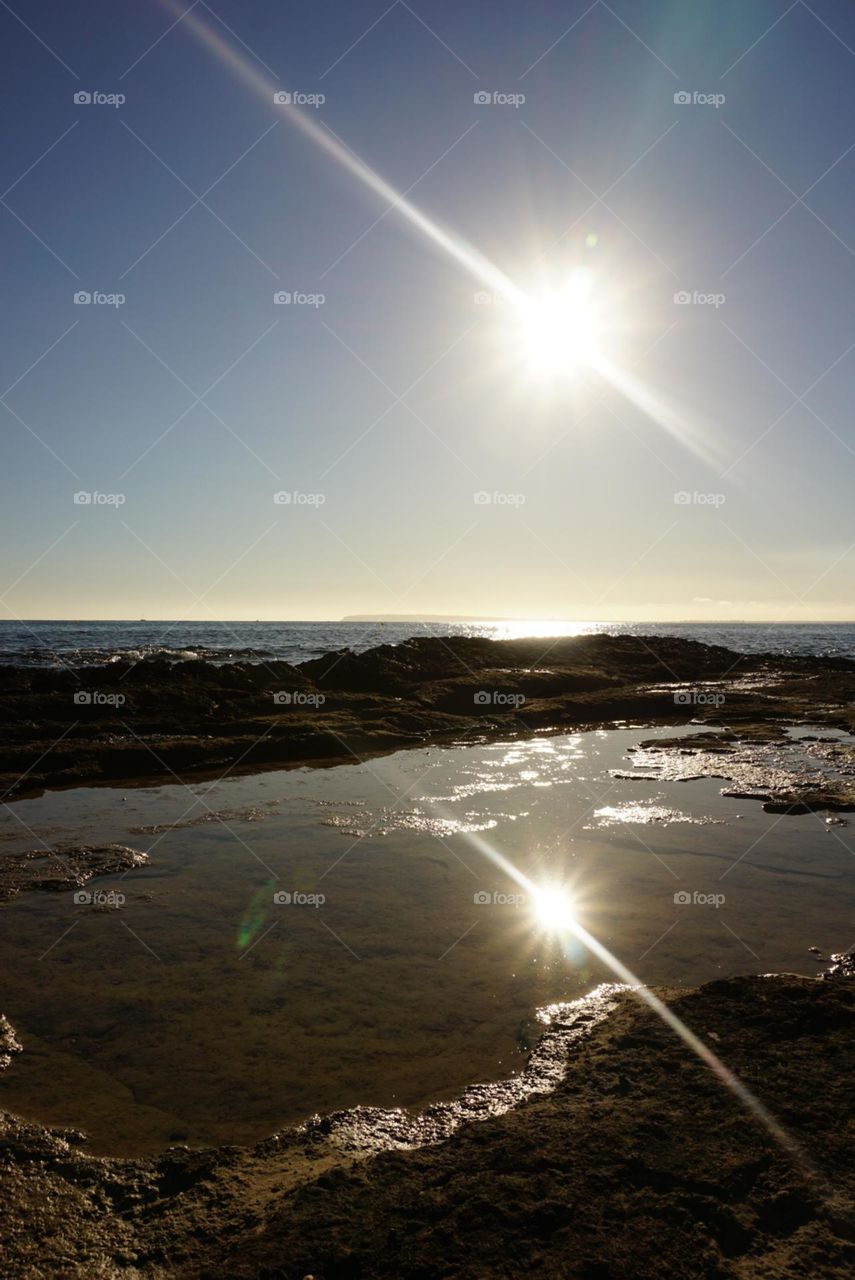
52	643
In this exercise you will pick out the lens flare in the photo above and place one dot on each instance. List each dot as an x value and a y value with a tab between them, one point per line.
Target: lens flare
479	267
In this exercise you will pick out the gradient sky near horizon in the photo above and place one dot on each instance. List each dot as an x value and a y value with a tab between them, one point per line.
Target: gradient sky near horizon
401	397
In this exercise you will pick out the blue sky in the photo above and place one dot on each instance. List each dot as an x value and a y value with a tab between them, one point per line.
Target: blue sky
701	198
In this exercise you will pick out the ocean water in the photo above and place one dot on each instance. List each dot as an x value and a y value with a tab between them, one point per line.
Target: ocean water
37	643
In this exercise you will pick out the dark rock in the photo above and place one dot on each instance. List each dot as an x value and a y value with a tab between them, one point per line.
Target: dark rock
63	868
150	719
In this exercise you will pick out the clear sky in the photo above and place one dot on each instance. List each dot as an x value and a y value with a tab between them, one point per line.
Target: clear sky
642	457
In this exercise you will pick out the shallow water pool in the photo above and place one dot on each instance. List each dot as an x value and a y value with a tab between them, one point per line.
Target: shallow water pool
309	939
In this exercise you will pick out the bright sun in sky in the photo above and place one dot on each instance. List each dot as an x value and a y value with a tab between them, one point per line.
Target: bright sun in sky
560	327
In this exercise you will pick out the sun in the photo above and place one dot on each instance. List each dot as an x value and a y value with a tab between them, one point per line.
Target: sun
554	908
559	329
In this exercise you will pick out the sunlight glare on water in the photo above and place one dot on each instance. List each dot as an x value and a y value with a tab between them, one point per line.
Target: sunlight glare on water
370	915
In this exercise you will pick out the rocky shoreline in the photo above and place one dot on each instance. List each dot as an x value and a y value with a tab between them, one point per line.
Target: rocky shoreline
617	1154
157	720
638	1164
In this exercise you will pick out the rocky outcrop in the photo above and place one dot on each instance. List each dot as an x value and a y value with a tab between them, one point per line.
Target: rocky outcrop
152	718
640	1164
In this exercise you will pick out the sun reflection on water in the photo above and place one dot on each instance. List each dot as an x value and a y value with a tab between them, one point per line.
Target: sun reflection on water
554	908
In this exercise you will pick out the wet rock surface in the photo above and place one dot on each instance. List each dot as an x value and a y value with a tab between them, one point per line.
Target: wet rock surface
153	718
842	965
376	1129
63	868
9	1042
788	774
638	1164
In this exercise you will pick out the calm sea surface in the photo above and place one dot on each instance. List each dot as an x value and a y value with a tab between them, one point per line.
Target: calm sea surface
49	643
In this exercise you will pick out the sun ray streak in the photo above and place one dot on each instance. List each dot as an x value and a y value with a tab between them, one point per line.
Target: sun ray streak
690	435
654	407
570	926
474	262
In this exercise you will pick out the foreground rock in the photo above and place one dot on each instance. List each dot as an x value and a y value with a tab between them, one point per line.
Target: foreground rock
68	867
639	1165
789	775
155	719
9	1042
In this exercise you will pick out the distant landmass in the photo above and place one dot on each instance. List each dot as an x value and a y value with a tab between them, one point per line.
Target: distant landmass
419	617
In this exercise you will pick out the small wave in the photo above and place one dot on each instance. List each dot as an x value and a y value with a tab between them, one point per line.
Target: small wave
82	657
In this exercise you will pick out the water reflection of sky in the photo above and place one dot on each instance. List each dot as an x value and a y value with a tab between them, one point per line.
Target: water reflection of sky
194	1009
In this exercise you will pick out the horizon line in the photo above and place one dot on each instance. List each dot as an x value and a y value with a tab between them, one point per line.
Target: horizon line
400	620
